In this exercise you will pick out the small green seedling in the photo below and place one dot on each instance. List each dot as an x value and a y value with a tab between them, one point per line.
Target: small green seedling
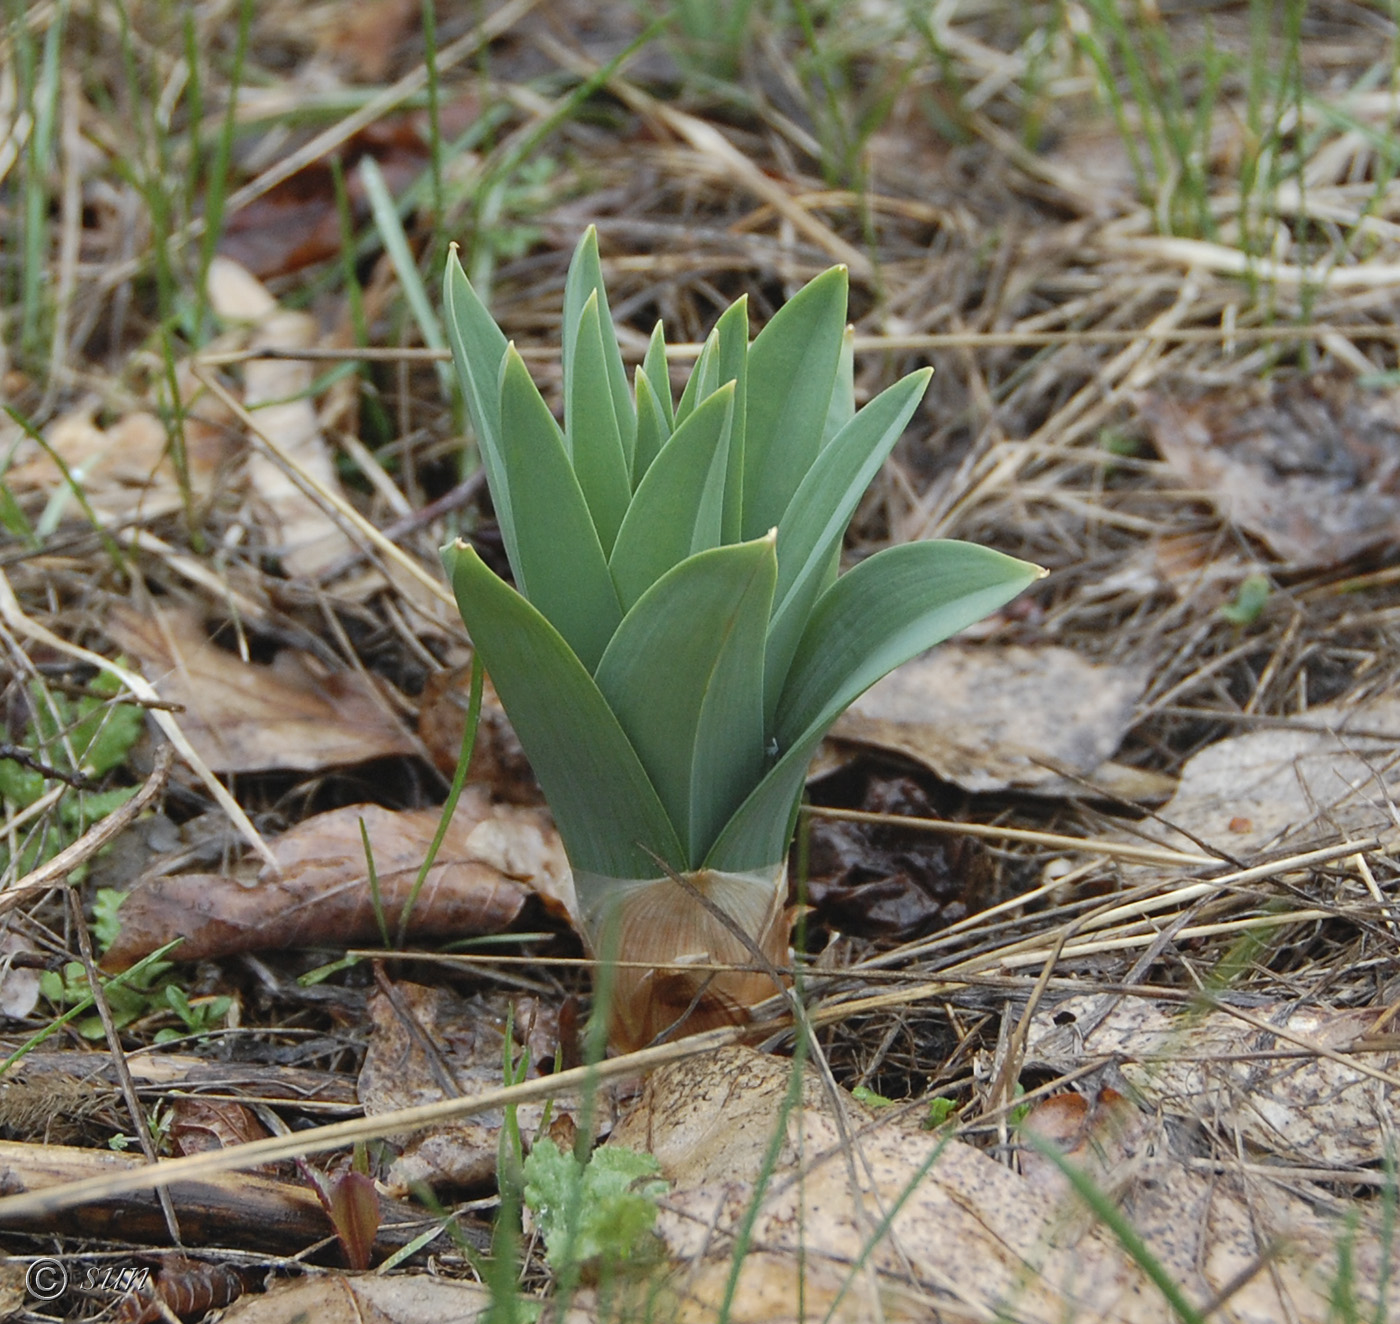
73	741
597	1215
939	1111
679	640
198	1018
128	1001
1249	601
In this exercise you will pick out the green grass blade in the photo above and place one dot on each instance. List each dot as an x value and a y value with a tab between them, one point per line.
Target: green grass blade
677	509
653	427
594	436
478	350
888	609
391	231
792	369
603	802
659	376
684	674
814	523
586	278
560	568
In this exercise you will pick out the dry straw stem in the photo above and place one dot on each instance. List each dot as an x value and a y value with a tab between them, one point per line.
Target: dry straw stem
17	1209
1121	850
13	616
330	502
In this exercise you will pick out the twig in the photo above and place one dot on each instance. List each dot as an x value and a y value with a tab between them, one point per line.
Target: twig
114	1045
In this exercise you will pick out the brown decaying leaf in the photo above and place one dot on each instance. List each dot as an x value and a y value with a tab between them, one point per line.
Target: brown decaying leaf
246	717
972	1239
126	467
277	393
497	758
187	1288
1214	1067
429	1044
198	1125
878	880
1335	775
418	1298
493	859
990	718
1311	468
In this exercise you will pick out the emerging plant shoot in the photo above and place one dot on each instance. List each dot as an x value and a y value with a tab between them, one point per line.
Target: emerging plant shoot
678	639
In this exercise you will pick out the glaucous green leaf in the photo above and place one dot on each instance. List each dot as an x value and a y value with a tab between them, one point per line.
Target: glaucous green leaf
792	370
478	350
677	509
603	802
885	611
659	375
594	438
843	395
560	566
812	527
653	428
684	674
586	277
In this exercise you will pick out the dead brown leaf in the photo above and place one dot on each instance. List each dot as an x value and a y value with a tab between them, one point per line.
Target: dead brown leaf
429	1044
990	718
1334	773
277	393
1311	468
1215	1068
493	859
418	1298
244	716
124	468
914	1225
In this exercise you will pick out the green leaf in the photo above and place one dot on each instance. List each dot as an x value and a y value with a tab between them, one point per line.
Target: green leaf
105	735
20	785
731	336
792	372
478	350
653	428
812	527
677	509
886	610
603	802
883	612
594	439
843	396
586	278
559	565
659	375
724	359
599	1211
684	674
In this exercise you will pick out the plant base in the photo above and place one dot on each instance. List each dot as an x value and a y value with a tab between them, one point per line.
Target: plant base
681	966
